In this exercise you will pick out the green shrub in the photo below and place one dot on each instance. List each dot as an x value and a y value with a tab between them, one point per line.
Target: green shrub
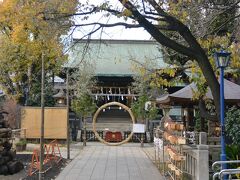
233	124
21	142
233	153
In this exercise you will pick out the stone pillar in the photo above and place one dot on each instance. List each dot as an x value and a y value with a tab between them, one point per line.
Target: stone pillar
202	138
202	171
186	119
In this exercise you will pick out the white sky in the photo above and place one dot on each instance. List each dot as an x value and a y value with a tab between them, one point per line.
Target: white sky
109	33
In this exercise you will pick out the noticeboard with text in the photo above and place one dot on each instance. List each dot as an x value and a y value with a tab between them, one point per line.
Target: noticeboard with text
139	128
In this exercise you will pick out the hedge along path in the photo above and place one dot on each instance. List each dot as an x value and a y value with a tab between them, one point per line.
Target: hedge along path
95	119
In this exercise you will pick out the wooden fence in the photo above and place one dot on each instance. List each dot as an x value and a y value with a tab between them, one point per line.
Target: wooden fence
90	136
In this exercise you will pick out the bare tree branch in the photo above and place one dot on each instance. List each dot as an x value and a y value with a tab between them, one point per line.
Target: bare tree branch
126	25
109	25
66	15
159	36
217	29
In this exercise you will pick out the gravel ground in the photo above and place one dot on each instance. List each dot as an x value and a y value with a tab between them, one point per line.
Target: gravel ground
26	159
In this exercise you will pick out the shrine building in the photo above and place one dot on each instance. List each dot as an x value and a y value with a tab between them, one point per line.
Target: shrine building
114	64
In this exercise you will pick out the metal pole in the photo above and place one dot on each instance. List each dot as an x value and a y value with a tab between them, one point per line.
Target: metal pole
42	122
223	151
163	154
85	132
67	98
141	140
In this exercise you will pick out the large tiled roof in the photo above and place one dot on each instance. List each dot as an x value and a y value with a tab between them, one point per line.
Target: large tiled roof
116	57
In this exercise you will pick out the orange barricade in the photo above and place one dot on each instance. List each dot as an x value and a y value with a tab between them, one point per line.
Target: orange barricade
35	165
52	152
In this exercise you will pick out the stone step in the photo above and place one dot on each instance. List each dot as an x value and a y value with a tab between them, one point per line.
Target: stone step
114	120
111	126
114	113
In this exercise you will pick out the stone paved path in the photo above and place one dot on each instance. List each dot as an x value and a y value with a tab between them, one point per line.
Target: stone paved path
101	162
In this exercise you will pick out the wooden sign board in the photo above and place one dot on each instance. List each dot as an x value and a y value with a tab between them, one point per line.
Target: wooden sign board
138	128
55	122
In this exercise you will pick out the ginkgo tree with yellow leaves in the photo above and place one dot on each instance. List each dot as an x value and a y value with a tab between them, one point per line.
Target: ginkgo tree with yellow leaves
30	30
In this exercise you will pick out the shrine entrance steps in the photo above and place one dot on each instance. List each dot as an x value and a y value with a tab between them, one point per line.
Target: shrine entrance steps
115	126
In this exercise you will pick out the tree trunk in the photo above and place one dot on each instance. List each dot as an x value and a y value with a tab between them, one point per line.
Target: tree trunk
202	124
204	113
5	130
211	79
192	51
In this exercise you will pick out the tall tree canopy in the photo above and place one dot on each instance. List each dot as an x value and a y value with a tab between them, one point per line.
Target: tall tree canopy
30	30
193	29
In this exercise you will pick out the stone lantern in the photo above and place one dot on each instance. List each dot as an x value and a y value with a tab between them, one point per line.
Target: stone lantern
60	98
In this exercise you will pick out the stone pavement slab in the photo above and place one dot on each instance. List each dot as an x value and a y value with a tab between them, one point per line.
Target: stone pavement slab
100	162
